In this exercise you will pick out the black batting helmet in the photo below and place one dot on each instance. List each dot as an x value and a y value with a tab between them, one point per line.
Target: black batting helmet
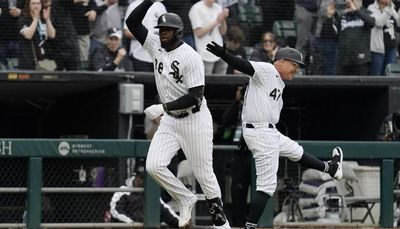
173	21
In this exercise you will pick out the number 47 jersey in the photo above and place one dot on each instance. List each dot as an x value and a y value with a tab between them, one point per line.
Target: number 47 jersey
175	71
263	98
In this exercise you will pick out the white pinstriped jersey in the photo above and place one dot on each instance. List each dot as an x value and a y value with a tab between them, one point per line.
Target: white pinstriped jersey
263	98
175	71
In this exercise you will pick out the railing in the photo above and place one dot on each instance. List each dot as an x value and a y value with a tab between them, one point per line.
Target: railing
36	149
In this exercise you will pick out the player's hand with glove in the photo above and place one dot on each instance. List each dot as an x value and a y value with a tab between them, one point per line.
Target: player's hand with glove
154	111
217	49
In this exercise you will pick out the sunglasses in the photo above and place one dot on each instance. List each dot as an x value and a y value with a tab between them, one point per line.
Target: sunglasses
268	41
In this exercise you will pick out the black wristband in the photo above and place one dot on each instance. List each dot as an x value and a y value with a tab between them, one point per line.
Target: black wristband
164	105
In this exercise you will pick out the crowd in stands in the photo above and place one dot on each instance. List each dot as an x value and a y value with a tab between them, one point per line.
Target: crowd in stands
336	37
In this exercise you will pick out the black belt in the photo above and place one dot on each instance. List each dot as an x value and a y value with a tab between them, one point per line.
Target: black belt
183	114
249	125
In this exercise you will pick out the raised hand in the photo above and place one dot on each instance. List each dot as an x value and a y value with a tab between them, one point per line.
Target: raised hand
217	49
46	13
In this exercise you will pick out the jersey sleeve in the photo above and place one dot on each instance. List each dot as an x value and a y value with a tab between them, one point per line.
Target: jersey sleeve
194	71
152	44
263	71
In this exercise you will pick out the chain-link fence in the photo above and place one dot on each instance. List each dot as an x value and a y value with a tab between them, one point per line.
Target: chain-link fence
64	205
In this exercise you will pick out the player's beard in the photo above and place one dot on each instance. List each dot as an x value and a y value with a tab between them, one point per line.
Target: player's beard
169	45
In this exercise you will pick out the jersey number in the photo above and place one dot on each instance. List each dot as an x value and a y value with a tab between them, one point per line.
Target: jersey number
275	94
158	67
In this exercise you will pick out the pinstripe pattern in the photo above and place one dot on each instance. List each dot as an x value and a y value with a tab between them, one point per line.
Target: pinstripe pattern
259	106
191	68
194	133
262	105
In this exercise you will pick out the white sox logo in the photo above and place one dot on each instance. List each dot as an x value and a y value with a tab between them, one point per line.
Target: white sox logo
175	73
163	19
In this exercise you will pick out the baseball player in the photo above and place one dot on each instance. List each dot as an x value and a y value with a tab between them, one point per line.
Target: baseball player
261	110
186	121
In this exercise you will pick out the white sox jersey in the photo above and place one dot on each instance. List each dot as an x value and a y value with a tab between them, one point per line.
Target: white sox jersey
175	71
262	106
263	99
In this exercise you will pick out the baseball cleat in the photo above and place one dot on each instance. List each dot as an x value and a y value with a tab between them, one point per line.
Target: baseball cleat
185	214
336	163
225	226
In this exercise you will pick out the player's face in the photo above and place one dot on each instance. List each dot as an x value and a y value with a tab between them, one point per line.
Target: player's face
167	36
287	69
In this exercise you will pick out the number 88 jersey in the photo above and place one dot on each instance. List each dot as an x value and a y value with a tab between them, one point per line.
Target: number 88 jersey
175	71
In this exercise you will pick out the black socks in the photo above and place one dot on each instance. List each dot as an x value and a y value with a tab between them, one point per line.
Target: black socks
257	207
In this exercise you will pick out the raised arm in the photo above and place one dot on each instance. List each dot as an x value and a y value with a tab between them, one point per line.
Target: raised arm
237	63
134	21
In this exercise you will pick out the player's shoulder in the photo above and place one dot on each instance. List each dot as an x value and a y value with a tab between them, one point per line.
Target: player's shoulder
187	50
264	69
262	66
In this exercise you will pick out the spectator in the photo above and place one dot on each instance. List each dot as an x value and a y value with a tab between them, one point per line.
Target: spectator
35	28
64	48
233	7
305	14
111	56
82	13
234	39
140	58
383	35
266	50
109	15
182	9
241	161
390	128
354	31
10	10
327	37
128	207
208	23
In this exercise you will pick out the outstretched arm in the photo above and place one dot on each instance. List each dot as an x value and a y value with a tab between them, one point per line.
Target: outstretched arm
134	21
237	63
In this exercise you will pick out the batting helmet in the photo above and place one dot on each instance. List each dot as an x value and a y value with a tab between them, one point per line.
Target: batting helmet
173	21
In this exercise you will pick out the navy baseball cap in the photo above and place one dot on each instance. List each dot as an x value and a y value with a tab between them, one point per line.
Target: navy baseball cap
292	54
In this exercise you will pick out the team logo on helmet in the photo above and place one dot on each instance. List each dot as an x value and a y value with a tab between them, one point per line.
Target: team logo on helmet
163	19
